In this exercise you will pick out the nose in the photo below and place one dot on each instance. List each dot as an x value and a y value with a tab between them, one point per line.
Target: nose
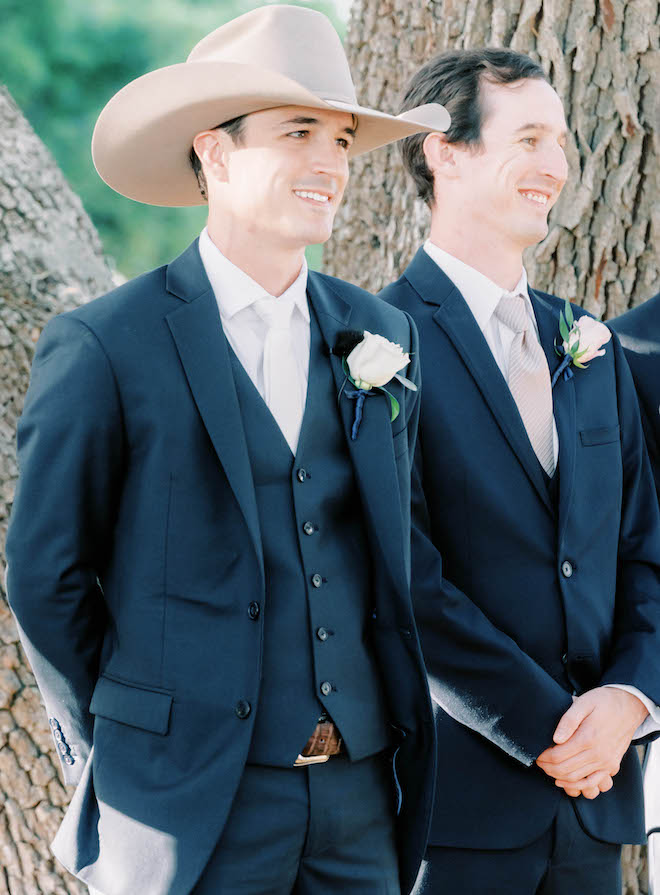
329	158
554	163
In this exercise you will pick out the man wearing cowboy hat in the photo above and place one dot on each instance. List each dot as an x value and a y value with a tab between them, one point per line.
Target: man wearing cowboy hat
208	554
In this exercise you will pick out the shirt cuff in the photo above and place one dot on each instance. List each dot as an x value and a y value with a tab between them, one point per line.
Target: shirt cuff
652	723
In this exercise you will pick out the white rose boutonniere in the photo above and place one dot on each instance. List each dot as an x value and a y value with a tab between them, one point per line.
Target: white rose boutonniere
370	361
582	341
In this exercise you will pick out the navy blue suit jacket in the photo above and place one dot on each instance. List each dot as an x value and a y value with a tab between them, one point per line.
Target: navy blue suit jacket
539	599
639	332
134	553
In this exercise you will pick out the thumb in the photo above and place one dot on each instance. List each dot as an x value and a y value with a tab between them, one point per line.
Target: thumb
570	721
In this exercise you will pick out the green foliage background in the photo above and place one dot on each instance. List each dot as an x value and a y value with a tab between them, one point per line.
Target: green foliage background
62	60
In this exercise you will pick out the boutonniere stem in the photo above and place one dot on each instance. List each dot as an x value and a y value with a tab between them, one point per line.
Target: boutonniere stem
582	341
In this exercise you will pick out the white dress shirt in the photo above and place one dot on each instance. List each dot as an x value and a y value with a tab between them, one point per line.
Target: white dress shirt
235	293
482	296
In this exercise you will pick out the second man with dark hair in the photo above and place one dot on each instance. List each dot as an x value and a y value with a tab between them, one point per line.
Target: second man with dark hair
541	632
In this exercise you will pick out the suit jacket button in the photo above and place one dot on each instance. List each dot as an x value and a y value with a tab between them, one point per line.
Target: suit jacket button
564	659
301	475
326	688
253	610
308	528
566	569
322	634
317	580
243	709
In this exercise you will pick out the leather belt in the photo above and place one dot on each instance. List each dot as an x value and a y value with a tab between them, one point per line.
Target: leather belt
324	742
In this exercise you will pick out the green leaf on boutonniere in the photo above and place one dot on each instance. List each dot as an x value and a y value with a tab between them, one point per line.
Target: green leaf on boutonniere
569	313
394	405
563	328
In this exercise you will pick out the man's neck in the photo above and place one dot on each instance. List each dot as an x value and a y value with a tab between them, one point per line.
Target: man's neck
273	270
486	255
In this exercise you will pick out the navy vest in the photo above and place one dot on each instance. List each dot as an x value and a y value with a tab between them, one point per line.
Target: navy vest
317	615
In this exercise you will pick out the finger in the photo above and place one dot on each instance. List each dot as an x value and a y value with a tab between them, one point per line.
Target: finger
591	792
601	779
571	720
557	755
581	773
571	791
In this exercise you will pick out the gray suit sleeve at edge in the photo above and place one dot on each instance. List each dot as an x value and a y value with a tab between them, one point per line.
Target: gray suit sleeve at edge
70	446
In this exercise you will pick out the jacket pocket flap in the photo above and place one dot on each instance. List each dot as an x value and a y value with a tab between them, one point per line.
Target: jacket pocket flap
604	435
146	709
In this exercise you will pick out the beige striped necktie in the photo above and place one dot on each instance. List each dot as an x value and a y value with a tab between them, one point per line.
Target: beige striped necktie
529	378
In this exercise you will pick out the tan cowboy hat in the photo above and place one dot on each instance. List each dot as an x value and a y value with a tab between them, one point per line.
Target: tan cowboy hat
272	56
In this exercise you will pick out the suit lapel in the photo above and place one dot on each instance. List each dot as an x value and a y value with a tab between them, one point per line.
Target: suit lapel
372	452
455	318
200	341
563	404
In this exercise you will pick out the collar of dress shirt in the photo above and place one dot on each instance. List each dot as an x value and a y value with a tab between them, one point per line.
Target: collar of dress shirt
481	294
235	290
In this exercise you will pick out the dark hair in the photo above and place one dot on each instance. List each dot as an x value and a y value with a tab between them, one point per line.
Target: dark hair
453	78
234	127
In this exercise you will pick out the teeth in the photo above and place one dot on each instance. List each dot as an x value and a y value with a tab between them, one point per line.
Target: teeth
307	195
536	197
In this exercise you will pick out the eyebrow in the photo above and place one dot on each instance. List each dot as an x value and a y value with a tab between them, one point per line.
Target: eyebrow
304	120
538	126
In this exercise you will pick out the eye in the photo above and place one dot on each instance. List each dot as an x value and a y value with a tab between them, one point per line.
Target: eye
298	134
343	142
531	141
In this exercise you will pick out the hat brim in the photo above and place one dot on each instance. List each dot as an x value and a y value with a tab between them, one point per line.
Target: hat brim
142	139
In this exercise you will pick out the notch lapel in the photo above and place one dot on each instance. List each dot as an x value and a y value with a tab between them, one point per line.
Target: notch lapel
372	452
456	319
202	346
564	405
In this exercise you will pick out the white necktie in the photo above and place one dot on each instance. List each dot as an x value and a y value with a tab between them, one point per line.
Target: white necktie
282	386
529	378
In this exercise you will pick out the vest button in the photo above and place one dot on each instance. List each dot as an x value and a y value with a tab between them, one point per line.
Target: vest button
326	688
317	580
68	759
301	474
564	659
57	733
308	528
253	610
322	634
243	709
566	569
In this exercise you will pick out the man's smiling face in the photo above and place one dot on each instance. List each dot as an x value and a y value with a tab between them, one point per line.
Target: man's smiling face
512	179
286	174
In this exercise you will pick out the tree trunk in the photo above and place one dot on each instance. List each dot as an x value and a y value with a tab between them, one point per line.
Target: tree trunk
599	251
600	248
51	260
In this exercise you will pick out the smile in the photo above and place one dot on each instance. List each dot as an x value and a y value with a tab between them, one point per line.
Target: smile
317	197
539	198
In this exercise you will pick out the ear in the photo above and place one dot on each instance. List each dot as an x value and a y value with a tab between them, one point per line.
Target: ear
211	149
441	156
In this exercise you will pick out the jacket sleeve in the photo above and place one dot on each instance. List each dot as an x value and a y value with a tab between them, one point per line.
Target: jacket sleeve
70	447
635	652
477	674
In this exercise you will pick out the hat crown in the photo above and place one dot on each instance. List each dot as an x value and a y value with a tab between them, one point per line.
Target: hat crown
299	43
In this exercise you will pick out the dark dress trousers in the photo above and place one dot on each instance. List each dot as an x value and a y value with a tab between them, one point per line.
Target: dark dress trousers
190	595
542	597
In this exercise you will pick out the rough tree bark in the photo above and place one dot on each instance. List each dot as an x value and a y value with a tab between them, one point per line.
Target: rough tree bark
602	59
50	261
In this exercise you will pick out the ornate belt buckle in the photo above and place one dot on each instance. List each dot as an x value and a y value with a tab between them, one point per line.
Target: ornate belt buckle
309	759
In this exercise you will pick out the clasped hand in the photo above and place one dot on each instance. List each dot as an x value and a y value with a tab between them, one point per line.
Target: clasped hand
591	739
